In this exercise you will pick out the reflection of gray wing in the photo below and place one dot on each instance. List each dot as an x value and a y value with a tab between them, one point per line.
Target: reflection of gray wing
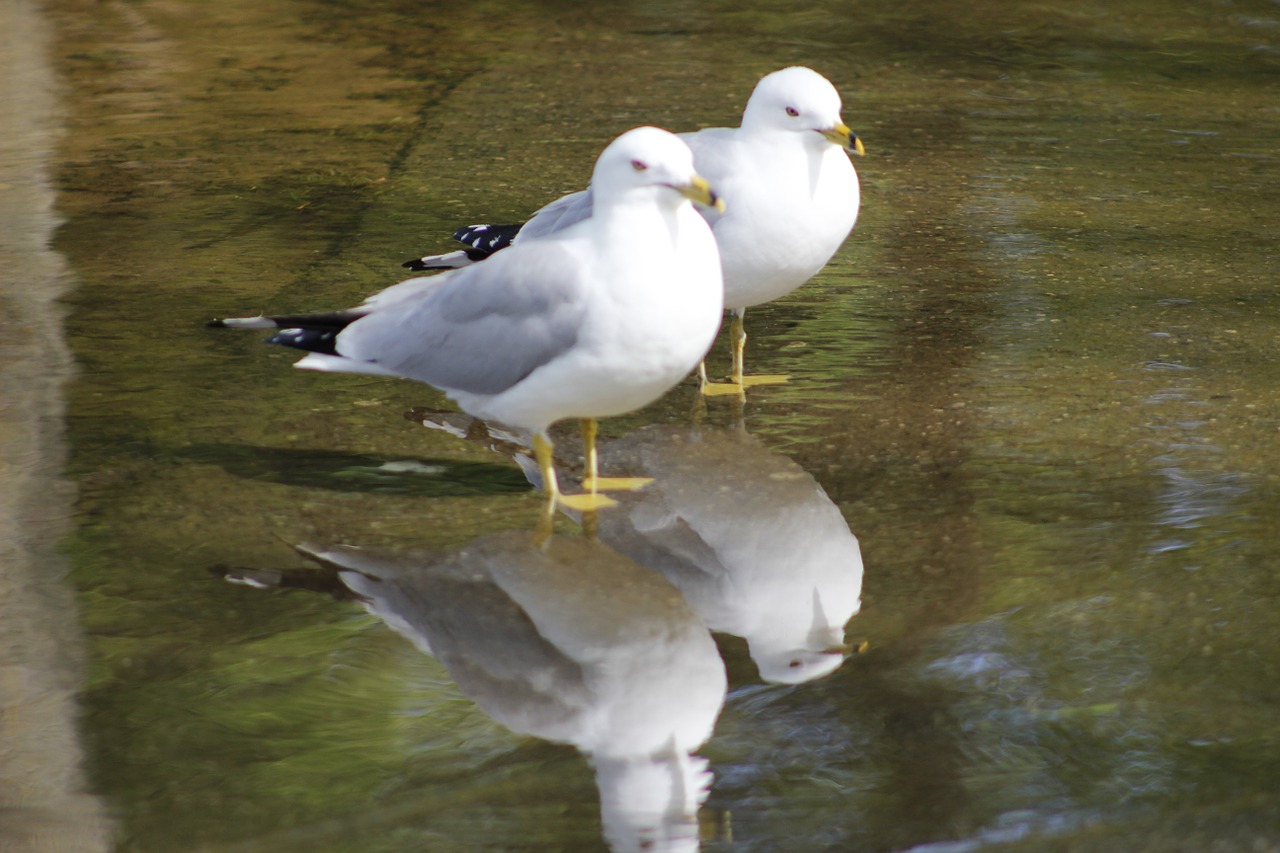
653	533
485	640
483	328
495	653
557	216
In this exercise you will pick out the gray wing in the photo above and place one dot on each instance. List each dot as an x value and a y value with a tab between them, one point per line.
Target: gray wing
483	328
558	215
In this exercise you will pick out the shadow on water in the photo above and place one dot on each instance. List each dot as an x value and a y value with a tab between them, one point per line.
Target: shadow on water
355	472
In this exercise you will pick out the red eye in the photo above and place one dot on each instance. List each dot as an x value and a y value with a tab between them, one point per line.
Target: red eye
793	112
639	165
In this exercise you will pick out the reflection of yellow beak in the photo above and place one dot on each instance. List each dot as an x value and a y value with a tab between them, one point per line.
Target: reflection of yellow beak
845	649
844	137
700	191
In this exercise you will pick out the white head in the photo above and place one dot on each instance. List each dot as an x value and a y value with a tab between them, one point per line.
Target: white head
799	100
652	160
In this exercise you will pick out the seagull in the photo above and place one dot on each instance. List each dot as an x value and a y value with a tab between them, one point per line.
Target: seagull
568	641
791	198
599	319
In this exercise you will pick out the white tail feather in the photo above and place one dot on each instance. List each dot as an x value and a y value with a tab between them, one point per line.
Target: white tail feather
258	322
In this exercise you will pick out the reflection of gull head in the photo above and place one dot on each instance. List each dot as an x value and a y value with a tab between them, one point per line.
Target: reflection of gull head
782	659
795	666
651	803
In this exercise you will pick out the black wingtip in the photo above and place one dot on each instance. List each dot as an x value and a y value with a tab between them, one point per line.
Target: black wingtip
416	265
312	340
489	238
215	324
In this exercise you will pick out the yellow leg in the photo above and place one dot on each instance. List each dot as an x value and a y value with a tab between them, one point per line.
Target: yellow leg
590	459
542	451
592	481
739	332
739	357
721	389
738	380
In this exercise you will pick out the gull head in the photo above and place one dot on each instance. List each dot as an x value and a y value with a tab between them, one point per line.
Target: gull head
802	101
653	161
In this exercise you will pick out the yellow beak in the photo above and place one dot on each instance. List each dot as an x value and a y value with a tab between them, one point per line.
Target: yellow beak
700	191
844	137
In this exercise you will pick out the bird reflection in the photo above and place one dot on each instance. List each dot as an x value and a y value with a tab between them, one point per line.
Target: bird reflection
567	641
747	535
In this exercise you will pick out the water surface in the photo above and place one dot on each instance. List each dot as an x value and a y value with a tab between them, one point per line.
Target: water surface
1039	384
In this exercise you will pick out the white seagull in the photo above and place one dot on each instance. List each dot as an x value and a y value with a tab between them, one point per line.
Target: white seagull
599	319
791	198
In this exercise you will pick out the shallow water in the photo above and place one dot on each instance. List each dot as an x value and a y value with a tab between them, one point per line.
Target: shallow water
1039	384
